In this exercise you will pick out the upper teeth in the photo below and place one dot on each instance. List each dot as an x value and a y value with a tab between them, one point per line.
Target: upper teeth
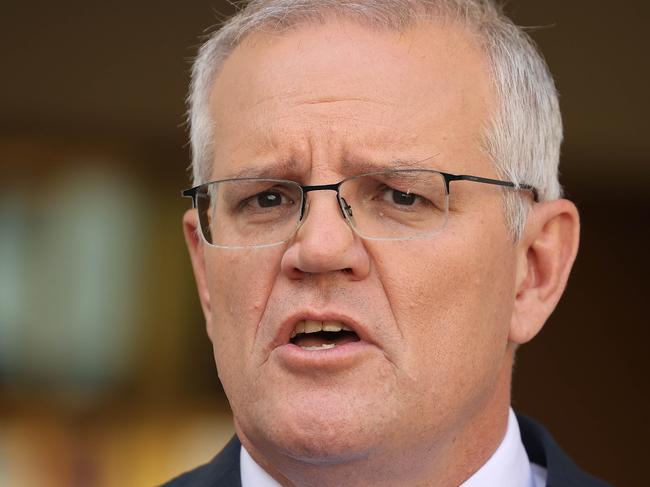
312	326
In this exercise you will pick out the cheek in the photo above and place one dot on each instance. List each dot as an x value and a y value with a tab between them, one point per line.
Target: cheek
450	305
239	283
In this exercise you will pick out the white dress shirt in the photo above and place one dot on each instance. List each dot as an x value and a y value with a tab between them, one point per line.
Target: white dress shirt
508	466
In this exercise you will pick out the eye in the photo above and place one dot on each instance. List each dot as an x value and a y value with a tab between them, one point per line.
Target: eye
404	199
397	197
257	197
268	199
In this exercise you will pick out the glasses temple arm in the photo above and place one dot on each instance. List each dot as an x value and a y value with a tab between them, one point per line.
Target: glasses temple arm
497	182
190	193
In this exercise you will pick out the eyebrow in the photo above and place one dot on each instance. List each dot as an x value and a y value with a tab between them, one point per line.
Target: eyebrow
290	168
275	170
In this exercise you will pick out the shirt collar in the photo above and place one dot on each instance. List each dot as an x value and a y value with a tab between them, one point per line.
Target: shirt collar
508	466
252	475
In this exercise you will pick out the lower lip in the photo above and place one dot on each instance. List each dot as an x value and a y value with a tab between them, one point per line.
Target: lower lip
342	356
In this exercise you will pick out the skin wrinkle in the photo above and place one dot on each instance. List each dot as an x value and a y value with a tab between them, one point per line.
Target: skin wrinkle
438	380
272	140
332	100
285	96
390	303
259	324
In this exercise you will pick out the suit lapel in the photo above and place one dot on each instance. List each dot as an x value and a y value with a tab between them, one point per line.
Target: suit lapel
542	450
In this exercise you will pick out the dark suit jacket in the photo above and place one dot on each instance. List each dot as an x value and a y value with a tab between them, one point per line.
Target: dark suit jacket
223	470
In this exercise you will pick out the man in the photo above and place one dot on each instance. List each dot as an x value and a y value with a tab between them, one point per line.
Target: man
377	226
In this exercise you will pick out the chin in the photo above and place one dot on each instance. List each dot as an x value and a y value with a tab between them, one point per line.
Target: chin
323	447
320	433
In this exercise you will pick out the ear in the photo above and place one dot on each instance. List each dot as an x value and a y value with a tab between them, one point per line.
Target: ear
196	246
545	255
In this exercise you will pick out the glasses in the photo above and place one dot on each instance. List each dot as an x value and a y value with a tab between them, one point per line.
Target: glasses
400	204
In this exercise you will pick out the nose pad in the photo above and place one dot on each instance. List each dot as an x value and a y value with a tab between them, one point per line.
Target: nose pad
346	209
303	208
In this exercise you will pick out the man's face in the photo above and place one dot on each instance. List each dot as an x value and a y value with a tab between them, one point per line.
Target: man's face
317	104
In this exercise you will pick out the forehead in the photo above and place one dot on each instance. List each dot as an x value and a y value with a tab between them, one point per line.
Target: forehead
348	91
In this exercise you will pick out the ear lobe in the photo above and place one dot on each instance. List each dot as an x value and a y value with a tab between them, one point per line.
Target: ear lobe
195	246
545	256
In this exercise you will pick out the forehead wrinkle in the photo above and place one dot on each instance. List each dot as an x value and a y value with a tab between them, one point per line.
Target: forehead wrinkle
360	166
299	136
305	115
310	99
295	98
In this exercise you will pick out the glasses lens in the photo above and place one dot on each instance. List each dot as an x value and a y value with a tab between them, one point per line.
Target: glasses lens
404	204
249	212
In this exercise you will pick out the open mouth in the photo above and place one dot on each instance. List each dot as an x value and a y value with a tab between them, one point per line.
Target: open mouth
322	335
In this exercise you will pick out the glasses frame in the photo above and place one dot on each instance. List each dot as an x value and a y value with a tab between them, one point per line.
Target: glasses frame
346	210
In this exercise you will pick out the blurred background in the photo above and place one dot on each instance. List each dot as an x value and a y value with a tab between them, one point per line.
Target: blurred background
106	374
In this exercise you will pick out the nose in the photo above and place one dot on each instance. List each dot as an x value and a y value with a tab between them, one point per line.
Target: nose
325	243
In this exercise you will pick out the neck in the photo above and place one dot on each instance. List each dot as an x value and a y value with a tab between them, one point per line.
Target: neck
446	461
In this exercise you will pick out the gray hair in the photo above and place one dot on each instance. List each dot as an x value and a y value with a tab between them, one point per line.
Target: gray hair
524	135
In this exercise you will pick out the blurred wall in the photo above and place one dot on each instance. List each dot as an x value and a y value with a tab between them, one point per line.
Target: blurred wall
106	375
